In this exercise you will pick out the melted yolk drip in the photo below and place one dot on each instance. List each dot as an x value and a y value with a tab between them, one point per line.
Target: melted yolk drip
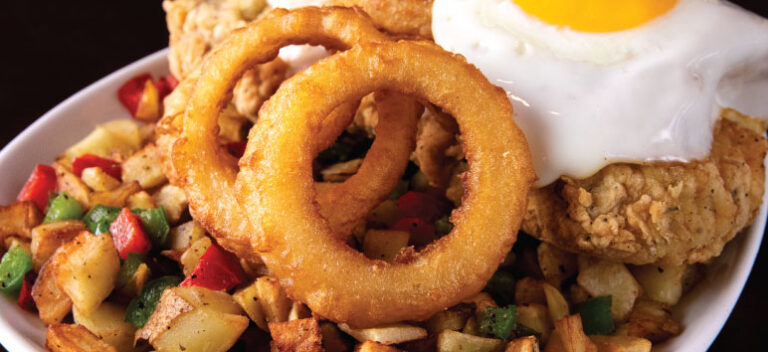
597	16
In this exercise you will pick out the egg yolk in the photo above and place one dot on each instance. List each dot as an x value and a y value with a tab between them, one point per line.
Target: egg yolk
596	15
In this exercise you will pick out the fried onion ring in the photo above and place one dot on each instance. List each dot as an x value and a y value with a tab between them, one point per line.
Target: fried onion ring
207	172
298	246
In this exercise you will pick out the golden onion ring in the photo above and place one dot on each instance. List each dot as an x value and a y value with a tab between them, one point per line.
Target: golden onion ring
298	246
207	173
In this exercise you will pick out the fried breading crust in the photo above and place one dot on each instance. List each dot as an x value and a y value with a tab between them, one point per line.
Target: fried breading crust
408	18
670	213
197	26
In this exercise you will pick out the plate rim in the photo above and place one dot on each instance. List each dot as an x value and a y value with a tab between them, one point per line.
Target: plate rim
14	340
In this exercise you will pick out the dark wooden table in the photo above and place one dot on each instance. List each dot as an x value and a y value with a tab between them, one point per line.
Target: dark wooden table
52	49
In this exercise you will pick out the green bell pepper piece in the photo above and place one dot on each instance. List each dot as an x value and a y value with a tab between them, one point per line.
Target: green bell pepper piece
63	207
100	217
14	265
141	307
596	315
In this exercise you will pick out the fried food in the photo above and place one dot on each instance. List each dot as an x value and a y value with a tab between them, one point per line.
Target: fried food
437	151
666	213
197	26
408	18
207	173
275	184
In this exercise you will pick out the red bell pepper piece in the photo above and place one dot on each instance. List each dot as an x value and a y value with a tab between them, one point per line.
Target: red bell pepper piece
40	184
422	233
111	167
237	149
130	93
128	234
420	205
165	85
25	300
216	270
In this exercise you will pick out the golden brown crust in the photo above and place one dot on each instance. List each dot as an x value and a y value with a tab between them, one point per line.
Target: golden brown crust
198	26
670	213
436	147
405	18
207	173
302	335
333	279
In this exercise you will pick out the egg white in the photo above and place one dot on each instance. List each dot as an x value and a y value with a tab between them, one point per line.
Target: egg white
585	100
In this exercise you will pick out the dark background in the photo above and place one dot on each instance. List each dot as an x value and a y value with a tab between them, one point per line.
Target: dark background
52	49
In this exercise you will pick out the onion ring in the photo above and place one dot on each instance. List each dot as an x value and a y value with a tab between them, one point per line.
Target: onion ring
207	172
298	246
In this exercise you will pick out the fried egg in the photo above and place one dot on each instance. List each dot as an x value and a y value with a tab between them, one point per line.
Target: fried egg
595	82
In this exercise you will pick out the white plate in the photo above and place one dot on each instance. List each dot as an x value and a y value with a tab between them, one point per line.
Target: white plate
702	313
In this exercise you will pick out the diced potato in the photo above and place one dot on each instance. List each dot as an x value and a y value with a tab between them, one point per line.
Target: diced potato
149	106
19	218
298	311
87	270
471	327
52	303
145	167
184	235
108	323
296	335
126	129
661	284
529	290
202	330
481	301
578	294
453	319
387	334
98	180
523	344
137	281
332	340
536	317
72	185
651	321
117	197
556	265
191	256
231	125
194	318
450	341
373	346
384	244
556	303
386	214
174	201
74	338
141	200
339	172
604	278
47	238
621	344
569	336
274	303
121	136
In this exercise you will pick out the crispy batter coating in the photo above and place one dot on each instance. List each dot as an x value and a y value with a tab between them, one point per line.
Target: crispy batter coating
437	148
670	213
198	26
409	18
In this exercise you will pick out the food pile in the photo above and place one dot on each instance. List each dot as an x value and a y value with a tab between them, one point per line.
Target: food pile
368	201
